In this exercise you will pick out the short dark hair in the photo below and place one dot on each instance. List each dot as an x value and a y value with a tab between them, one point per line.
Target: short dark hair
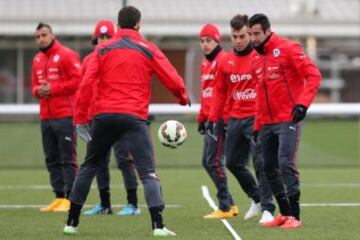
42	25
261	19
128	17
239	21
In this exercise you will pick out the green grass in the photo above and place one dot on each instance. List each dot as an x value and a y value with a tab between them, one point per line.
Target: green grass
182	187
324	143
332	146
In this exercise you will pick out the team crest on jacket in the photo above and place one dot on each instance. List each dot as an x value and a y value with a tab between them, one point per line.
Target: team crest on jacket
276	52
103	29
56	58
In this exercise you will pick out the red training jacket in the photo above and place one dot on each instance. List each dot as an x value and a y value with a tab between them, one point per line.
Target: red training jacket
60	67
285	77
234	87
208	71
90	94
122	71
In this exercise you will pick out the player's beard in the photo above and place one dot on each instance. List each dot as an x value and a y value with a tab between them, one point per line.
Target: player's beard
44	49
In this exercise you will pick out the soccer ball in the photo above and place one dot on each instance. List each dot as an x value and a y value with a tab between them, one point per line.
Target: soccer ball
172	133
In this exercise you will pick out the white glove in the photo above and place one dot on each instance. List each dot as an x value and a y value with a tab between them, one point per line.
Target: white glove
83	131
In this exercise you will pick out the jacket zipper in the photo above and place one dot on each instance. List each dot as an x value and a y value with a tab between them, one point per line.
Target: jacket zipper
266	90
47	99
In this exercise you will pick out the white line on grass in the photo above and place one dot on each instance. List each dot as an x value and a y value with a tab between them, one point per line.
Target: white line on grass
17	206
206	195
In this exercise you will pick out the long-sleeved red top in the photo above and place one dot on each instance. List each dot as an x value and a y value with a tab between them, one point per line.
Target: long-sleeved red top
60	67
122	72
285	77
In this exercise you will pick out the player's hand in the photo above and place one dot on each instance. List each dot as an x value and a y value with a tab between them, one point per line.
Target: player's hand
44	90
189	102
255	137
83	130
202	128
299	113
185	101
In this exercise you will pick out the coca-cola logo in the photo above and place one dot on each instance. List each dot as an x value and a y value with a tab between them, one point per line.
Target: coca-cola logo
207	92
247	94
234	78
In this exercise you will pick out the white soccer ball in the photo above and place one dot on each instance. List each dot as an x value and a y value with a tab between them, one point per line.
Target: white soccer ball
172	133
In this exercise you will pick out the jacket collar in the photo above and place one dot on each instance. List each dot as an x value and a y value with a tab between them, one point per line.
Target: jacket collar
271	43
54	48
128	32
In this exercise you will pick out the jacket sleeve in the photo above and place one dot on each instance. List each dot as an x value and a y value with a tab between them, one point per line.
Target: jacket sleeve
310	72
34	83
89	94
201	117
169	77
70	69
219	95
84	94
257	124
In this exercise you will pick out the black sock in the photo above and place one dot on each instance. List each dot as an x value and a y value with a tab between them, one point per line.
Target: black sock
156	216
132	197
284	205
105	198
74	215
60	194
256	199
295	205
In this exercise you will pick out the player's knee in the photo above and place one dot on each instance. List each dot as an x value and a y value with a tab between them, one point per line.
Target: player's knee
208	166
233	166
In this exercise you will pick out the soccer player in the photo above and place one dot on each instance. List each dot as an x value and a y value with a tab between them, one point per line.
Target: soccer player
104	31
287	83
235	89
213	150
55	79
122	70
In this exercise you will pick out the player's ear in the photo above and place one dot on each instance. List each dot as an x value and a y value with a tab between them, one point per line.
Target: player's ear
268	31
137	26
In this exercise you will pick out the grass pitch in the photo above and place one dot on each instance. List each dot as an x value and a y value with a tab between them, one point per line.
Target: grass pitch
335	179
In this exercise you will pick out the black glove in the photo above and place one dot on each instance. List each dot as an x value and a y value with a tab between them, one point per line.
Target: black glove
255	137
83	131
299	113
202	128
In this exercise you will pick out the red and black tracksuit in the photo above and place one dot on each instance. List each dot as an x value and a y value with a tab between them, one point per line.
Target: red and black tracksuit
214	149
58	66
122	72
285	77
235	88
